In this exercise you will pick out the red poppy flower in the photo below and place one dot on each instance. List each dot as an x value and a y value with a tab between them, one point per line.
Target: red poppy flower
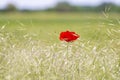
68	36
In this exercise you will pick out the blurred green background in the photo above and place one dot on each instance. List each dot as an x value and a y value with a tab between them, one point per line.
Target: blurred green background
92	23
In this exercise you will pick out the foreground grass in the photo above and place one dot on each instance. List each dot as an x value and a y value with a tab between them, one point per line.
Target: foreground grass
24	58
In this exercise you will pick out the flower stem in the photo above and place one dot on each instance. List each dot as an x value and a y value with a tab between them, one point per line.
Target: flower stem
67	48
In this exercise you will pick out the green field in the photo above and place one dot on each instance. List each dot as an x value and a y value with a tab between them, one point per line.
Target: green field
49	25
31	49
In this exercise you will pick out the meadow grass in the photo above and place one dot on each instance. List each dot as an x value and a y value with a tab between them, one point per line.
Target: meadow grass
31	49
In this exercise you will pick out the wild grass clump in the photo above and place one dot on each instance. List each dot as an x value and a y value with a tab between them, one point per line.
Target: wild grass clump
23	58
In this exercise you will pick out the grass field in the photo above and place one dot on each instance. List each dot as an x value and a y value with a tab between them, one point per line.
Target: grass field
31	49
50	24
